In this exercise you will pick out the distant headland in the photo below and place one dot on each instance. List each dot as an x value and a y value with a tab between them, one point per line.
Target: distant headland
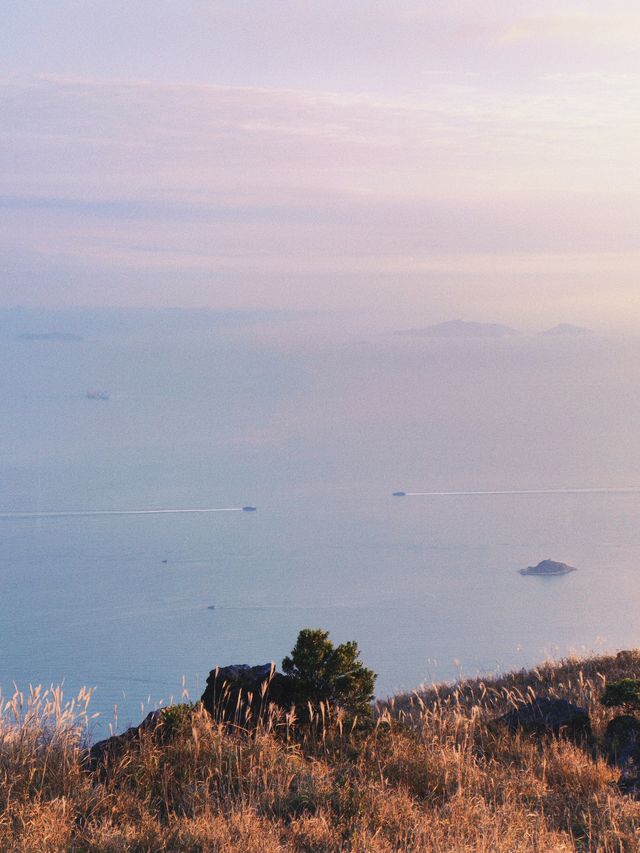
568	330
468	329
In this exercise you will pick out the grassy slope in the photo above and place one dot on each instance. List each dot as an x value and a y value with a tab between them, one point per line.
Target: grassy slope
431	776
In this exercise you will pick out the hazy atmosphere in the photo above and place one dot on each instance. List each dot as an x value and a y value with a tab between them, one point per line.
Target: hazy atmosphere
227	409
390	158
299	256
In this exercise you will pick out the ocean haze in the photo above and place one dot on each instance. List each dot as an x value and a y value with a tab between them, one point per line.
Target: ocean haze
370	268
315	421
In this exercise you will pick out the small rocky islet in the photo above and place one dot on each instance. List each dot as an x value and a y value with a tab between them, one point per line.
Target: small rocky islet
548	568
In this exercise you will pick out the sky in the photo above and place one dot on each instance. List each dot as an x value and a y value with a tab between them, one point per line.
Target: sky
411	159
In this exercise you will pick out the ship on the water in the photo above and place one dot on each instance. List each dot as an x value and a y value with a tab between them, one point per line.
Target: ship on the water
97	395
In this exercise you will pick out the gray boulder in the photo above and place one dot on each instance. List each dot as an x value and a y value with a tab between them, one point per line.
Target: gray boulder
622	744
543	716
241	693
628	656
110	749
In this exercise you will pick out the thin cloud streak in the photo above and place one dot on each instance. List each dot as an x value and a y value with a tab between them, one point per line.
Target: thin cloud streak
605	28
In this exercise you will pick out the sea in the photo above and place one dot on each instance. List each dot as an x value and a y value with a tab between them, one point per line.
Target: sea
315	421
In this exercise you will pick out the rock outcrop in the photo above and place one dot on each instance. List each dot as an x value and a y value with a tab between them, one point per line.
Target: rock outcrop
110	749
543	716
241	693
622	743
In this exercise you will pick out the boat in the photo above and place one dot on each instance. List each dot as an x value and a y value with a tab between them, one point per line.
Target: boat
249	509
97	395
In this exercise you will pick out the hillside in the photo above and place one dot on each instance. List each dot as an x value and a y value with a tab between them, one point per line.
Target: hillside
431	773
461	329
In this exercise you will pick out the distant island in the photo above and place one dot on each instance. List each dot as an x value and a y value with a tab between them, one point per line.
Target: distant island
568	330
547	568
49	336
461	329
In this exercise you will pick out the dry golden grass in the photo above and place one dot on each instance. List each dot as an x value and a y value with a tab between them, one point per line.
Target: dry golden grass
430	775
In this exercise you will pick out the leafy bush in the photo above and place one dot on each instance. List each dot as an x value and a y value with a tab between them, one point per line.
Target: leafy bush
323	673
625	693
176	719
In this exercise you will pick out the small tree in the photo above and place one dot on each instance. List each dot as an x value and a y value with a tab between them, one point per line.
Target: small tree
624	693
322	673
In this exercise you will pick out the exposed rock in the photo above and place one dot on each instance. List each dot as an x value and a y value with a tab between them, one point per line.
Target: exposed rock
622	738
629	781
240	693
628	656
544	716
108	750
622	744
548	568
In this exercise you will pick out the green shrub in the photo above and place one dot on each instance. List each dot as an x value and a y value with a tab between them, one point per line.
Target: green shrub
323	673
176	719
625	693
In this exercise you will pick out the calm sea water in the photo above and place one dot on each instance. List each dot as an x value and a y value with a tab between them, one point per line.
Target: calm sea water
316	431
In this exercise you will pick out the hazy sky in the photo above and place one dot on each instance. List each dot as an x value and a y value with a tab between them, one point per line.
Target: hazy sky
429	159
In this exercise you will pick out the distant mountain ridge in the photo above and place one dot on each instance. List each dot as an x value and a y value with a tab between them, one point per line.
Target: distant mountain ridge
568	330
461	329
471	329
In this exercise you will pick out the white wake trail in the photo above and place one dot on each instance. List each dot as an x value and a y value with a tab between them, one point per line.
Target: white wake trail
600	491
87	513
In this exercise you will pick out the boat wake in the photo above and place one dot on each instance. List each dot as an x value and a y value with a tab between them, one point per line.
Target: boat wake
601	491
97	512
